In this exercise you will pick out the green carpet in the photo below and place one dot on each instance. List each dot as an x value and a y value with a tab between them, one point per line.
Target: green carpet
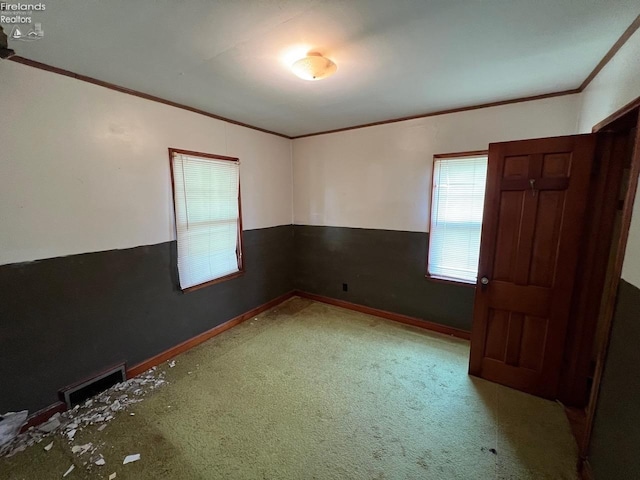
310	391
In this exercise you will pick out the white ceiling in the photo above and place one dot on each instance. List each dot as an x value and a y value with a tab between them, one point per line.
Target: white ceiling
395	57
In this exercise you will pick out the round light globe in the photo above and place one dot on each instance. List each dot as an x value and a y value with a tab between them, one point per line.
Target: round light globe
314	67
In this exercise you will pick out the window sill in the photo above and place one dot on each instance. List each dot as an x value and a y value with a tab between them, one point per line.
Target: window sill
214	281
450	281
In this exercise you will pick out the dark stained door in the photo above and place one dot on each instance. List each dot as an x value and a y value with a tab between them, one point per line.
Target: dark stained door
534	215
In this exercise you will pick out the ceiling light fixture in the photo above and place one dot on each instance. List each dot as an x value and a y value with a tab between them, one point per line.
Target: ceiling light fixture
314	67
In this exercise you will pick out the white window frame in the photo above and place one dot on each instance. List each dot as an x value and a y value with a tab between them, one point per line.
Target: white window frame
179	200
437	268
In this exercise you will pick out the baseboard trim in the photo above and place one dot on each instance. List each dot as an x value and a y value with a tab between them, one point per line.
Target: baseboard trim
586	473
46	413
203	337
43	415
396	317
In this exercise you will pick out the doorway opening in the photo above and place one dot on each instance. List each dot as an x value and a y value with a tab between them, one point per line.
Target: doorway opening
625	125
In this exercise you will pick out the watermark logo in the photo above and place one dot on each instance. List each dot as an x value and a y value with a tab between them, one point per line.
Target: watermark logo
20	15
36	33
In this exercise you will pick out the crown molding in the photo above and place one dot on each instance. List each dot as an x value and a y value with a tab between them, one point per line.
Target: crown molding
612	52
445	112
136	93
603	62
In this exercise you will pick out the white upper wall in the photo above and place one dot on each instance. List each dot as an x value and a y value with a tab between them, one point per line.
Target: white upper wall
616	85
379	177
631	265
85	168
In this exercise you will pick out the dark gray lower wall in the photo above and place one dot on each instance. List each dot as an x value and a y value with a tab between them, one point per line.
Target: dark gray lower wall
383	269
616	432
62	319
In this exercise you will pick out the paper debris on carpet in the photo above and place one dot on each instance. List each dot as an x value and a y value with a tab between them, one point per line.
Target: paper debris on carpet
131	458
10	425
81	449
50	425
100	461
98	410
172	363
112	476
69	471
48	447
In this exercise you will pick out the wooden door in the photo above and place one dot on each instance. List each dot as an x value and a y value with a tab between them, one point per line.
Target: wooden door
533	220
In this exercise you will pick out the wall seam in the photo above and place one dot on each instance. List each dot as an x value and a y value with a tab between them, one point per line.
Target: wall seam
292	185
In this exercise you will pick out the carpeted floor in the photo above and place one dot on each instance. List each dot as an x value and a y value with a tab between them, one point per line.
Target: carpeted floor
310	391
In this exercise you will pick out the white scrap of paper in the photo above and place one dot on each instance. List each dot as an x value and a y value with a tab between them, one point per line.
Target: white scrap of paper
50	425
69	471
172	363
81	449
10	426
100	461
48	447
131	458
112	476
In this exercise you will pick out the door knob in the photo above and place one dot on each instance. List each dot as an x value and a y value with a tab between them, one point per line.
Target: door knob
484	281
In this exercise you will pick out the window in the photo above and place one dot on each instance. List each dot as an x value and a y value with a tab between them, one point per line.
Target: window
206	195
457	202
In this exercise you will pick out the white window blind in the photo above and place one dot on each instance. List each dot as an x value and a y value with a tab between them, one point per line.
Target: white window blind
207	218
456	217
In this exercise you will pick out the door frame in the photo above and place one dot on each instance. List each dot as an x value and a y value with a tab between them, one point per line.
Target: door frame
604	206
610	296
